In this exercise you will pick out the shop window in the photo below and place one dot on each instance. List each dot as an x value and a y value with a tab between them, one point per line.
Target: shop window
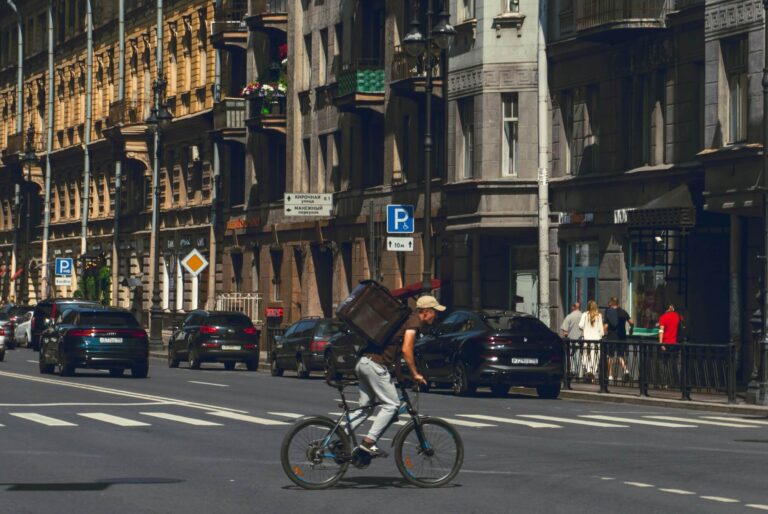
582	273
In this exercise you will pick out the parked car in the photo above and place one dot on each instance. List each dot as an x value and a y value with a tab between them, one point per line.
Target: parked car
215	336
22	333
6	331
341	354
48	310
302	346
494	348
2	349
15	314
87	336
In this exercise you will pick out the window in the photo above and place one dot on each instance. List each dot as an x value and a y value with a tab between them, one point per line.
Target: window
237	174
510	160
306	169
323	64
307	61
511	5
582	273
467	120
466	10
277	265
735	60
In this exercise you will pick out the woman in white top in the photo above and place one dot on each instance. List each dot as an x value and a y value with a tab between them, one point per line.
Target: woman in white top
591	324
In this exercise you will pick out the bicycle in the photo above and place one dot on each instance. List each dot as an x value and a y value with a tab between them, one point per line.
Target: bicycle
317	451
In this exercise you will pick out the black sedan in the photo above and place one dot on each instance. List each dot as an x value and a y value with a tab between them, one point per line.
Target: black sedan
341	354
494	348
215	336
302	346
94	337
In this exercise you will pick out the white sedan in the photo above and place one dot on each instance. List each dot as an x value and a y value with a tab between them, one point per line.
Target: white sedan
22	333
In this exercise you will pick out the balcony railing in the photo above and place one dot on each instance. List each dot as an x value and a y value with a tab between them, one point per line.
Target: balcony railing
124	112
247	303
269	6
597	14
17	143
405	66
361	76
230	17
229	114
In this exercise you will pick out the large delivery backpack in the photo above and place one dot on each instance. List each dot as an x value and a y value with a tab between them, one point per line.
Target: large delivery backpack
373	313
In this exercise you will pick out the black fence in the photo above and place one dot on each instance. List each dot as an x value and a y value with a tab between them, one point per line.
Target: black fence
648	365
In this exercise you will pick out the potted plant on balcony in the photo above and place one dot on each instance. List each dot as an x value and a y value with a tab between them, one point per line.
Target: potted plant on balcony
268	97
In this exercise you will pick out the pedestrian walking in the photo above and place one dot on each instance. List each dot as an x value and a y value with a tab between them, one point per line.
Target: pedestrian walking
669	327
616	321
571	332
591	324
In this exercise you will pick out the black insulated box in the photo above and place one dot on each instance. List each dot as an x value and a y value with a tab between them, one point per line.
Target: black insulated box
372	312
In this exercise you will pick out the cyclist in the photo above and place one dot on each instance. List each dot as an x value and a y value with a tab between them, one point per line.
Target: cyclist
374	372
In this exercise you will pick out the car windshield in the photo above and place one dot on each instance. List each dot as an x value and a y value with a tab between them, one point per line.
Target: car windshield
518	324
328	329
229	320
108	319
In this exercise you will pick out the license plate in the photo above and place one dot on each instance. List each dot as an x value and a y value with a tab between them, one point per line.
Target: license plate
524	360
229	347
111	340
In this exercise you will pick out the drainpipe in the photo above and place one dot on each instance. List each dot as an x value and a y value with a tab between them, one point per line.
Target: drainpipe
118	162
19	129
48	150
543	207
211	300
88	121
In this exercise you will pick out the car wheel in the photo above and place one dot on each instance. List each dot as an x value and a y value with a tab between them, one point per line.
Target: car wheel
116	372
26	341
548	392
2	356
45	368
252	365
499	389
140	371
461	384
173	361
274	369
65	368
330	368
229	366
301	368
194	359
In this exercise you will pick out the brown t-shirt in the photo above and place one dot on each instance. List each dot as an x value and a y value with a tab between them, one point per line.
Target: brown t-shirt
388	355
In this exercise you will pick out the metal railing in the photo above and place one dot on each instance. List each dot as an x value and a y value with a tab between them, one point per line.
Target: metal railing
247	303
647	365
230	16
125	112
404	66
361	75
594	13
270	6
229	113
17	143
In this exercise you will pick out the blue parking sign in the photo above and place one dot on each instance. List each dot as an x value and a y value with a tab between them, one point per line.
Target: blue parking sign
400	219
64	266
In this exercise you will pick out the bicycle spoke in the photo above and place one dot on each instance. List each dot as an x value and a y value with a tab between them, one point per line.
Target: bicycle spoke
434	463
313	457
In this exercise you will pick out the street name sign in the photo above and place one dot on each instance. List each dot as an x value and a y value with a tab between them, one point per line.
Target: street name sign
400	219
308	204
400	244
194	262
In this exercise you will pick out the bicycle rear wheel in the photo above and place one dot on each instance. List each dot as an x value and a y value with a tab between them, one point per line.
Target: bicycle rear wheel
433	463
313	455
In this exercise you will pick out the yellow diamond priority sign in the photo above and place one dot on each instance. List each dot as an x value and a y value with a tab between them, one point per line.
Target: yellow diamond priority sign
194	262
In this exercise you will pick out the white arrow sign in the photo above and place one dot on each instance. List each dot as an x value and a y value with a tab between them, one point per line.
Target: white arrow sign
308	198
400	244
308	210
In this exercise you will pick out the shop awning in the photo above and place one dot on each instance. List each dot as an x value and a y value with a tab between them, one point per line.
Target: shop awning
410	290
671	210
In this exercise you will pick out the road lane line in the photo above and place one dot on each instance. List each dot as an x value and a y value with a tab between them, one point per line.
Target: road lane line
462	423
86	404
757	506
207	383
348	401
737	420
291	415
638	484
677	491
701	422
532	424
114	420
43	420
607	478
720	499
181	419
249	419
573	421
33	362
637	421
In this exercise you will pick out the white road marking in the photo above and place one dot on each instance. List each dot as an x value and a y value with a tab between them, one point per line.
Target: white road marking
738	420
719	499
701	422
607	478
243	417
43	420
636	421
463	423
677	491
291	415
757	506
114	420
85	404
207	383
181	419
348	401
33	362
532	424
573	421
370	418
638	484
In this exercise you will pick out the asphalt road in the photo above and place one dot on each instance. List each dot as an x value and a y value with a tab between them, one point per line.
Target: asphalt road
208	441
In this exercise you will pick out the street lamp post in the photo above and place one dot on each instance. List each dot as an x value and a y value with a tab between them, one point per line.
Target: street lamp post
28	159
417	44
158	121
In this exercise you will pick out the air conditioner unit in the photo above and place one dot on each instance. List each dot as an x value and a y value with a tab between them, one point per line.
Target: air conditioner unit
194	153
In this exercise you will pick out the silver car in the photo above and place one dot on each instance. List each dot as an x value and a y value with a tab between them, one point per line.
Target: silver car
22	332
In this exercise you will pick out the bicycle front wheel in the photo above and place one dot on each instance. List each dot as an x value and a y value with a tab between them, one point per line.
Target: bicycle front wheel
432	460
313	454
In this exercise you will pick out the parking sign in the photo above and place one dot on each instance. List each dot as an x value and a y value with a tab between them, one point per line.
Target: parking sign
400	219
64	266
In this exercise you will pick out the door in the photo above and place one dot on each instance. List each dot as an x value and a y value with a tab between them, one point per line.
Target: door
582	270
448	342
188	332
459	344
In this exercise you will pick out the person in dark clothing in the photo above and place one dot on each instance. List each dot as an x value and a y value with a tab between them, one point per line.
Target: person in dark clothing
616	321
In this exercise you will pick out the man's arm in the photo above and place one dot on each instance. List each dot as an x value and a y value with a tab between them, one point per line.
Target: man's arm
409	339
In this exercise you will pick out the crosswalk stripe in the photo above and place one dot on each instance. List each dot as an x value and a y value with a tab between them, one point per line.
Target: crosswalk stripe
114	420
738	420
701	422
463	423
637	421
249	419
43	420
574	421
757	506
677	491
532	424
720	499
291	415
181	419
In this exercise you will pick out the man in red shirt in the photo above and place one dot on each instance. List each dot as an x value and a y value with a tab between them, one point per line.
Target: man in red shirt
669	322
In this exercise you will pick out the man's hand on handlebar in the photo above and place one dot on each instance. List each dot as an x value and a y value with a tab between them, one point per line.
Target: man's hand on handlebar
419	379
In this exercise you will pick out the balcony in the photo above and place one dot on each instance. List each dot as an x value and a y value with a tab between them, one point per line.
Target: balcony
269	16
228	28
608	20
229	119
124	112
360	85
409	74
15	148
267	114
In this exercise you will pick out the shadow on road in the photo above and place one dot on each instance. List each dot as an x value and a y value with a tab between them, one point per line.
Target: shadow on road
372	483
98	485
